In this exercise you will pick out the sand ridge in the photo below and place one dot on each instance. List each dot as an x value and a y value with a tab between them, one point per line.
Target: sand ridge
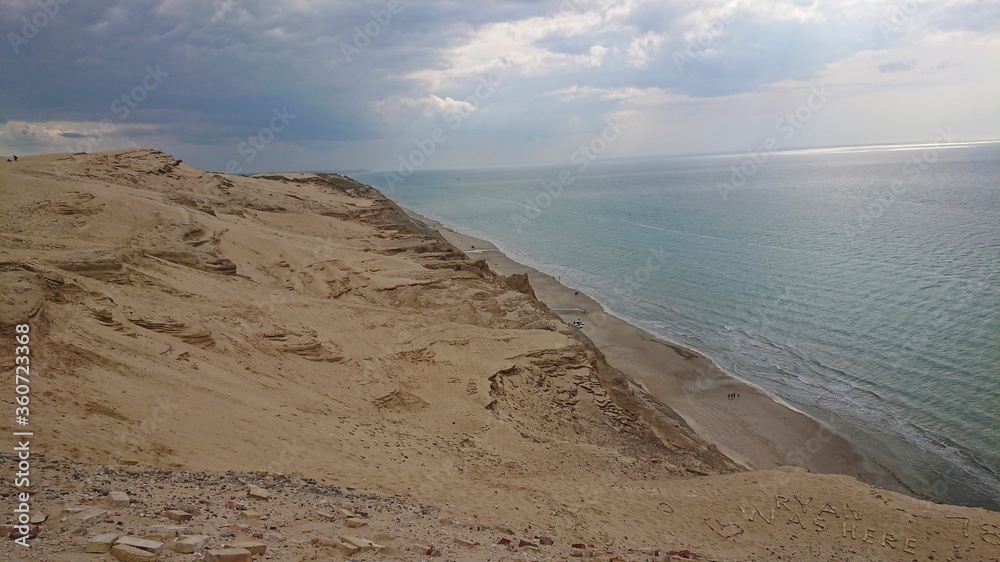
306	326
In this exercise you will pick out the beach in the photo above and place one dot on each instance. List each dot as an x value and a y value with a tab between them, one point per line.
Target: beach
290	363
756	430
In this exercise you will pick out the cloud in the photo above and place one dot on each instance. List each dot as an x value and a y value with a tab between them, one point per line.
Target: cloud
429	106
897	66
360	75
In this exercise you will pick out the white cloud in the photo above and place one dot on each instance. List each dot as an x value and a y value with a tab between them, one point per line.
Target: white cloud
429	106
643	49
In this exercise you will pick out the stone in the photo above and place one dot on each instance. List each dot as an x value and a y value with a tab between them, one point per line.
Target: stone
191	544
227	555
177	515
355	523
347	549
91	516
325	516
250	514
581	553
420	549
275	536
345	512
75	509
167	532
233	504
189	508
38	517
545	541
156	547
128	462
101	544
361	543
255	547
258	493
119	499
127	553
463	542
324	541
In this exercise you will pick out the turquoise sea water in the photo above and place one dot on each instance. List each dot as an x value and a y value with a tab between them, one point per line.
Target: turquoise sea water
861	286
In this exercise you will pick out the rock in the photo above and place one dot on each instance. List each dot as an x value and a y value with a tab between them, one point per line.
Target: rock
324	541
355	523
345	513
191	544
127	553
275	536
75	509
545	541
167	532
128	462
420	549
325	516
189	508
465	543
91	516
38	517
101	544
581	553
156	547
119	499
258	493
227	555
255	547
233	504
250	515
347	549
361	543
177	515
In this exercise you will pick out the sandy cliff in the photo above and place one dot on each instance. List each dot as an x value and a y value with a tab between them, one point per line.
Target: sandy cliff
303	325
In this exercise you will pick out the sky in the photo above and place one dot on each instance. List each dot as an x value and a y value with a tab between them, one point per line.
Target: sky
247	86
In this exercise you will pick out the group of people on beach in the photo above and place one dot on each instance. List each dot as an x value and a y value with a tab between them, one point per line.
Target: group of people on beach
733	396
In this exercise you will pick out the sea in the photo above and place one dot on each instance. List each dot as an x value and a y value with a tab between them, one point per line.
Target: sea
861	285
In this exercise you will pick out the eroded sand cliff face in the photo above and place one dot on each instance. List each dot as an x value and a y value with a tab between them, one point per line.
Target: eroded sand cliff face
301	324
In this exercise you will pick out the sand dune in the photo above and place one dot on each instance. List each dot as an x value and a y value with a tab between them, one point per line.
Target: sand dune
305	325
